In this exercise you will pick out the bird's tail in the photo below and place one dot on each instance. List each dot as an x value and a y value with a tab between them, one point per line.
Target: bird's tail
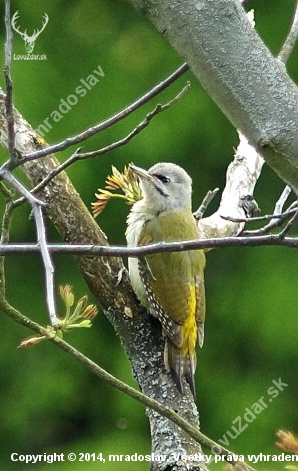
180	366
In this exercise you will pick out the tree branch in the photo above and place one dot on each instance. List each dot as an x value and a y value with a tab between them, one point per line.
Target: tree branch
8	81
33	155
140	335
270	127
41	238
277	217
238	71
119	251
115	382
242	176
290	42
78	155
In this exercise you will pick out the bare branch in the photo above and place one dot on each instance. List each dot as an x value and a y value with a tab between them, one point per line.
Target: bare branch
109	282
266	217
242	176
6	220
289	225
238	71
290	42
252	167
53	173
41	238
121	251
282	199
198	214
163	410
277	213
142	125
108	122
8	176
78	155
47	262
8	81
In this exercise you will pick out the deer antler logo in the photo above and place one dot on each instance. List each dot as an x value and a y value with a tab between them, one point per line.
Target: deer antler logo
29	40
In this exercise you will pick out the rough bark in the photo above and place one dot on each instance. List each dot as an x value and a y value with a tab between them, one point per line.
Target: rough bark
107	278
255	92
230	60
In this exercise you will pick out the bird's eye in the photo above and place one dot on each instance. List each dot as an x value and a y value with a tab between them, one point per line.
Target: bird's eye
163	179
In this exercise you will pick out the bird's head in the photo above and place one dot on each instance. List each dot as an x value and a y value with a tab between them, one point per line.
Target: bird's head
165	186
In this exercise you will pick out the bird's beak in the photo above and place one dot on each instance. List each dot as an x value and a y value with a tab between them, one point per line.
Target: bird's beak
140	172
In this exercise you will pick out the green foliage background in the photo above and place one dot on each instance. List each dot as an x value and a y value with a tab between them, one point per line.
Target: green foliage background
48	403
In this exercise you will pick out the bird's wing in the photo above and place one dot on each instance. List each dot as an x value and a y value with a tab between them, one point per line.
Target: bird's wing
200	307
170	281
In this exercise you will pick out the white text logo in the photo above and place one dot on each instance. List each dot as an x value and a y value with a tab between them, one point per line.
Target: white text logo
29	40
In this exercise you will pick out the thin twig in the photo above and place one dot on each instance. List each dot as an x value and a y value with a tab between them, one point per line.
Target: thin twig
291	39
78	155
8	81
52	174
266	217
8	176
47	262
289	225
142	125
4	239
282	199
6	220
6	192
108	122
165	411
121	251
198	214
41	239
276	219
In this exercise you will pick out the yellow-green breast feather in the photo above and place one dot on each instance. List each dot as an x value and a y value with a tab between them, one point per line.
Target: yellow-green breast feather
177	279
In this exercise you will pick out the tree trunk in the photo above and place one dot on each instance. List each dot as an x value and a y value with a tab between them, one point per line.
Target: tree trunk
251	87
